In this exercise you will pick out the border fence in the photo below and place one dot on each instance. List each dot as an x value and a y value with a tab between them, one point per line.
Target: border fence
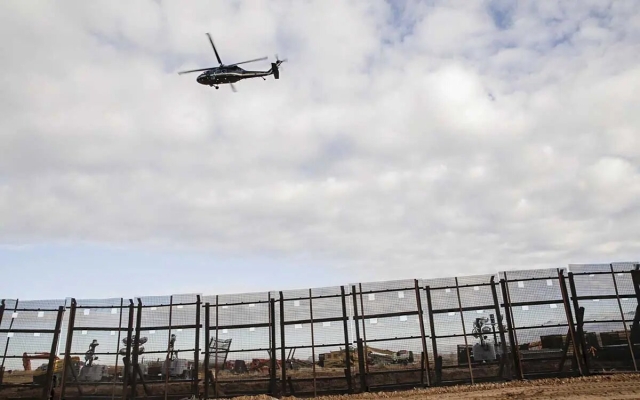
524	324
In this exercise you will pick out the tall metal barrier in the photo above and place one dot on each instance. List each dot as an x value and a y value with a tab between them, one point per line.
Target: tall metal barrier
30	332
362	337
468	332
168	328
390	335
544	338
314	342
95	329
239	345
604	303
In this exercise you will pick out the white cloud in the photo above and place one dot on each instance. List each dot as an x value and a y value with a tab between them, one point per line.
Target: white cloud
454	147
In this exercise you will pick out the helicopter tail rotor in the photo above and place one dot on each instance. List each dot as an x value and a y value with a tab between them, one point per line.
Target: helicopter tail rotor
276	67
279	61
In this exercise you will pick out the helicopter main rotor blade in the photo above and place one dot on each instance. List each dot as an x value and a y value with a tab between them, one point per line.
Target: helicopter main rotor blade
195	70
244	62
214	48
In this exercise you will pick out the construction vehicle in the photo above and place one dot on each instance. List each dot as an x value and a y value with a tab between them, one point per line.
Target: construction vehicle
382	356
403	357
92	372
26	359
262	365
488	349
176	367
336	359
237	366
172	366
40	375
296	363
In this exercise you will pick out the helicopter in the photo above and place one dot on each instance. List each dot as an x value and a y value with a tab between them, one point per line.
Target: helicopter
231	73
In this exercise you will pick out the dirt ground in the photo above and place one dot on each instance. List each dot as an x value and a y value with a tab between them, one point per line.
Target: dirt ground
619	387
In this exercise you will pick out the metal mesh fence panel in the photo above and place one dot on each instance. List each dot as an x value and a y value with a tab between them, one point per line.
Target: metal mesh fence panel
30	332
240	344
468	341
318	320
170	329
485	329
391	334
314	331
93	329
596	299
296	319
342	339
544	338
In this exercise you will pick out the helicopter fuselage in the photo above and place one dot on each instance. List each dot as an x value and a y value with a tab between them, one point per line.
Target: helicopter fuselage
232	74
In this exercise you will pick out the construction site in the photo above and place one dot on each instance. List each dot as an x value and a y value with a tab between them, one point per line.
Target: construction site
576	321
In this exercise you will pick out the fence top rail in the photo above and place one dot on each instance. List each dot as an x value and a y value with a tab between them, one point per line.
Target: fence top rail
602	267
515	280
373	291
470	285
532	274
593	273
195	303
367	287
239	303
100	307
33	309
460	281
315	297
518	275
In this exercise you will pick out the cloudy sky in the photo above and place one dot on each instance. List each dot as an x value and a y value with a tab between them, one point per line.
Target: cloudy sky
404	139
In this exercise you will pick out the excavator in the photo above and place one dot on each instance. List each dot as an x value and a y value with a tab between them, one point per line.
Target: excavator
39	375
26	359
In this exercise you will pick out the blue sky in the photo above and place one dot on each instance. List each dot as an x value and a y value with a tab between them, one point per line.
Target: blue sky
415	140
81	271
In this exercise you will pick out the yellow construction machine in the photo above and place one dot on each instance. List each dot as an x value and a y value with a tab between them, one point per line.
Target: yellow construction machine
40	375
336	359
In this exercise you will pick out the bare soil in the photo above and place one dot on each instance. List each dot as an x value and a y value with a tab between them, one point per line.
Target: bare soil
619	387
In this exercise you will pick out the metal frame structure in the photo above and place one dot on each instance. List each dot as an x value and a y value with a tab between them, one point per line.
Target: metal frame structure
571	311
597	300
115	307
213	385
299	315
407	293
484	301
26	311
